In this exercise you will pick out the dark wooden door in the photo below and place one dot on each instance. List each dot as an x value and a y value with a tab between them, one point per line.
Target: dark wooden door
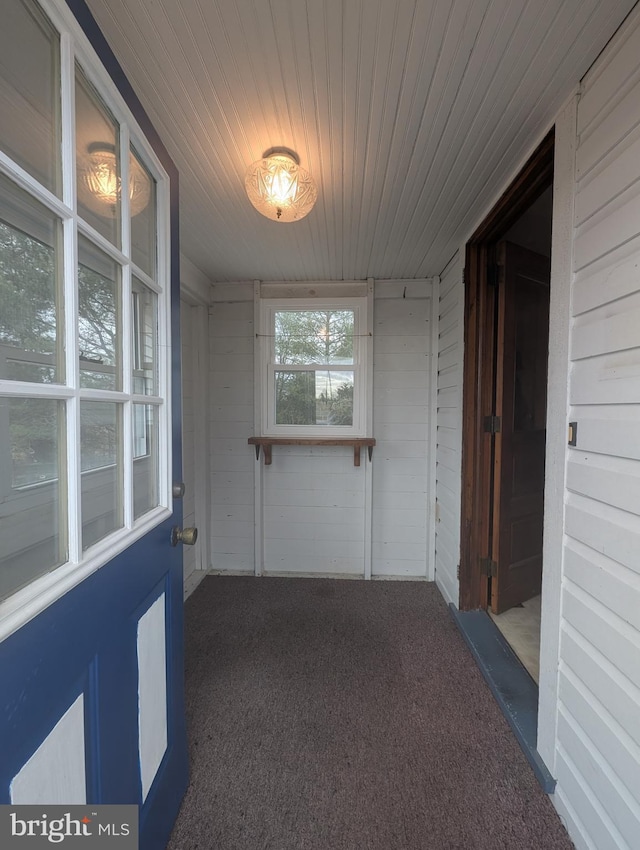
522	343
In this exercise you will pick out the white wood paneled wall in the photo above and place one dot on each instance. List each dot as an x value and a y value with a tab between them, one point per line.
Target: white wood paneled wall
314	511
195	290
449	429
188	435
194	322
598	733
402	381
314	502
231	337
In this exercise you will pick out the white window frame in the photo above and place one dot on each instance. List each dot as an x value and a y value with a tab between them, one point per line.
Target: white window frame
29	601
361	342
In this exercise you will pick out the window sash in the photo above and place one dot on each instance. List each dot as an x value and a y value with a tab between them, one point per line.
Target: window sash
75	48
270	367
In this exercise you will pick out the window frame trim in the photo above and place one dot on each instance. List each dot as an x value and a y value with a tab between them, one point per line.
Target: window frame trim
362	341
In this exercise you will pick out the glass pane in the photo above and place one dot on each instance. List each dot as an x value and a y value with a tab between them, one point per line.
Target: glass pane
30	313
30	91
144	315
314	336
145	458
98	318
101	459
314	398
142	198
32	502
97	162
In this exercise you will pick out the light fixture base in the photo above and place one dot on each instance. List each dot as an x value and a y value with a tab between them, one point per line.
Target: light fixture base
278	186
286	152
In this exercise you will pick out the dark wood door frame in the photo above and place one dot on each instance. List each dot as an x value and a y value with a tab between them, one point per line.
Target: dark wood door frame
477	396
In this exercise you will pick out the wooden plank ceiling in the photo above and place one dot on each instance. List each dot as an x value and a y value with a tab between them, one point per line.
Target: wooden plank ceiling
410	115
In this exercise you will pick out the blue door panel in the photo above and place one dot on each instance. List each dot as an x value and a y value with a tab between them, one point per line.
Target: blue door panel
87	643
116	746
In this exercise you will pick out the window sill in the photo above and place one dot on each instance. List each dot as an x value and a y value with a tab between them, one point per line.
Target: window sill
267	442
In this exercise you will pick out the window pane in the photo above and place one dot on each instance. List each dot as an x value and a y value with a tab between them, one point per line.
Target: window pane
314	336
97	162
144	314
101	459
142	197
30	91
30	315
98	318
145	458
314	398
32	503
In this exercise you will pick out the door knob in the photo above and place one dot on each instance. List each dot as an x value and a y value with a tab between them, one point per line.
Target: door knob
188	536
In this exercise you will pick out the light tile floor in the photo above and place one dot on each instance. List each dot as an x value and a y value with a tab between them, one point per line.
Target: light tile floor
521	628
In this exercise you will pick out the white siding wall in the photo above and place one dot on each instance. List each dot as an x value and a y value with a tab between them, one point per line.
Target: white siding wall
401	400
195	439
598	732
231	336
313	498
194	331
314	511
589	731
188	435
449	433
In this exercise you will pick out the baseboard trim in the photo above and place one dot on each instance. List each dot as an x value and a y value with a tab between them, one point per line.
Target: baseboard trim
338	576
192	581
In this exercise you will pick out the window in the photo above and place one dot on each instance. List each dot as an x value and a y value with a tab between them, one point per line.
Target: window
314	360
84	325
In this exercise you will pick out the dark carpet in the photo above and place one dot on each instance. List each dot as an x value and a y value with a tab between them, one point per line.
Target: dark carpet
326	715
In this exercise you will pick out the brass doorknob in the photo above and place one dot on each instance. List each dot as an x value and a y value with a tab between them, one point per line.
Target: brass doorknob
188	536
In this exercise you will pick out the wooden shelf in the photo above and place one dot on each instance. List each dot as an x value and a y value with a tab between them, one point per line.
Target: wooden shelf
267	442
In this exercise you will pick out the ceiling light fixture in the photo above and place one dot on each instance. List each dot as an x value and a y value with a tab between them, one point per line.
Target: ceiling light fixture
279	188
99	181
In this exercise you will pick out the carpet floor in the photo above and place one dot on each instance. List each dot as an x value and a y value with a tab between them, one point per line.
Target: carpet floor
344	715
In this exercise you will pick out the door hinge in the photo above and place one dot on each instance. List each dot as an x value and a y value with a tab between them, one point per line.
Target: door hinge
492	424
488	567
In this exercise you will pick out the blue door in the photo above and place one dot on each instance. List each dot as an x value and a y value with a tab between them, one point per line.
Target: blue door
91	650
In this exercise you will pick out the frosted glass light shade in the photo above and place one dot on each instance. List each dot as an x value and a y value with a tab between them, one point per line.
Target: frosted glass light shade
279	188
99	182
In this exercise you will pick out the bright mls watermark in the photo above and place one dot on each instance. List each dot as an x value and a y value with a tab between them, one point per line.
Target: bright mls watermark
91	826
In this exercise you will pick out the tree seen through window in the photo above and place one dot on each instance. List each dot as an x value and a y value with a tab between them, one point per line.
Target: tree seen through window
323	340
